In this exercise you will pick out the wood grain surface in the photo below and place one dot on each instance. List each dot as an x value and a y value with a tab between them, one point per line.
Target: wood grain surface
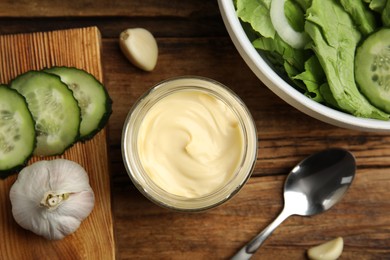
193	40
94	239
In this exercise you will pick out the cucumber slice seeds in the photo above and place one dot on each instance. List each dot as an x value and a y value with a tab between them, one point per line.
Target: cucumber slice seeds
92	97
54	109
17	133
372	68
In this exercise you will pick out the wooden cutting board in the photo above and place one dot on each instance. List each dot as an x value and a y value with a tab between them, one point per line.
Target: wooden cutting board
94	239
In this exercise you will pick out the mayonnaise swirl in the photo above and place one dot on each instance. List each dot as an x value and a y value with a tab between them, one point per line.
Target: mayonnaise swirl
190	143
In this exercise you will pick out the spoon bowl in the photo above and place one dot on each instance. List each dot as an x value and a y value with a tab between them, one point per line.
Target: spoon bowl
313	186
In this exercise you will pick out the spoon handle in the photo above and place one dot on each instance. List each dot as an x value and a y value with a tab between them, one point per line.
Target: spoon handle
249	249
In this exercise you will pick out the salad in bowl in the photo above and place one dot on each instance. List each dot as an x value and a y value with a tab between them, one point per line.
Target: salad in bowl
328	58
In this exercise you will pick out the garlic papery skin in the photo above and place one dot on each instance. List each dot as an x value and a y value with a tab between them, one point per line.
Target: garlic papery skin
52	198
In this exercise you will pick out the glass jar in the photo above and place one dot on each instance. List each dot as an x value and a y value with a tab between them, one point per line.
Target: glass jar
133	164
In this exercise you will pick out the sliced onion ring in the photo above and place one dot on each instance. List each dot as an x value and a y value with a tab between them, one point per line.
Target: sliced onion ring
293	38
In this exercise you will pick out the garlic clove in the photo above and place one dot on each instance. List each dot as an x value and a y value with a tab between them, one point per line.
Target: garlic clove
140	47
330	250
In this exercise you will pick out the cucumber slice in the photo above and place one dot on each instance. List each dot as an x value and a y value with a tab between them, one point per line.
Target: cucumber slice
17	132
92	98
372	68
54	109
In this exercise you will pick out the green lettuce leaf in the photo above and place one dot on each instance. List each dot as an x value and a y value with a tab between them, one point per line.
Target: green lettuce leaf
256	13
295	15
382	7
327	95
361	16
377	5
313	77
334	42
304	4
284	58
386	14
295	58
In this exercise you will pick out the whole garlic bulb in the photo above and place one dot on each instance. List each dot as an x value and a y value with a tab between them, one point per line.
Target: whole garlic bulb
52	198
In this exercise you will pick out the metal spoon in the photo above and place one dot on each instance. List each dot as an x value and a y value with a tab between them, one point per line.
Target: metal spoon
313	186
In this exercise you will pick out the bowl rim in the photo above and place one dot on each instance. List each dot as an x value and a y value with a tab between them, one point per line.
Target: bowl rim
281	88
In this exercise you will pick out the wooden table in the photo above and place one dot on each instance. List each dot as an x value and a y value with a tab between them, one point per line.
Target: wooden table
192	39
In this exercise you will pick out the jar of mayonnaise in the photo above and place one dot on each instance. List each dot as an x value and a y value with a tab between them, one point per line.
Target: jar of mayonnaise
189	144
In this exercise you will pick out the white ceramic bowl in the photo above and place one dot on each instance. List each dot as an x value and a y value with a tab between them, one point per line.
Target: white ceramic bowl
281	88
